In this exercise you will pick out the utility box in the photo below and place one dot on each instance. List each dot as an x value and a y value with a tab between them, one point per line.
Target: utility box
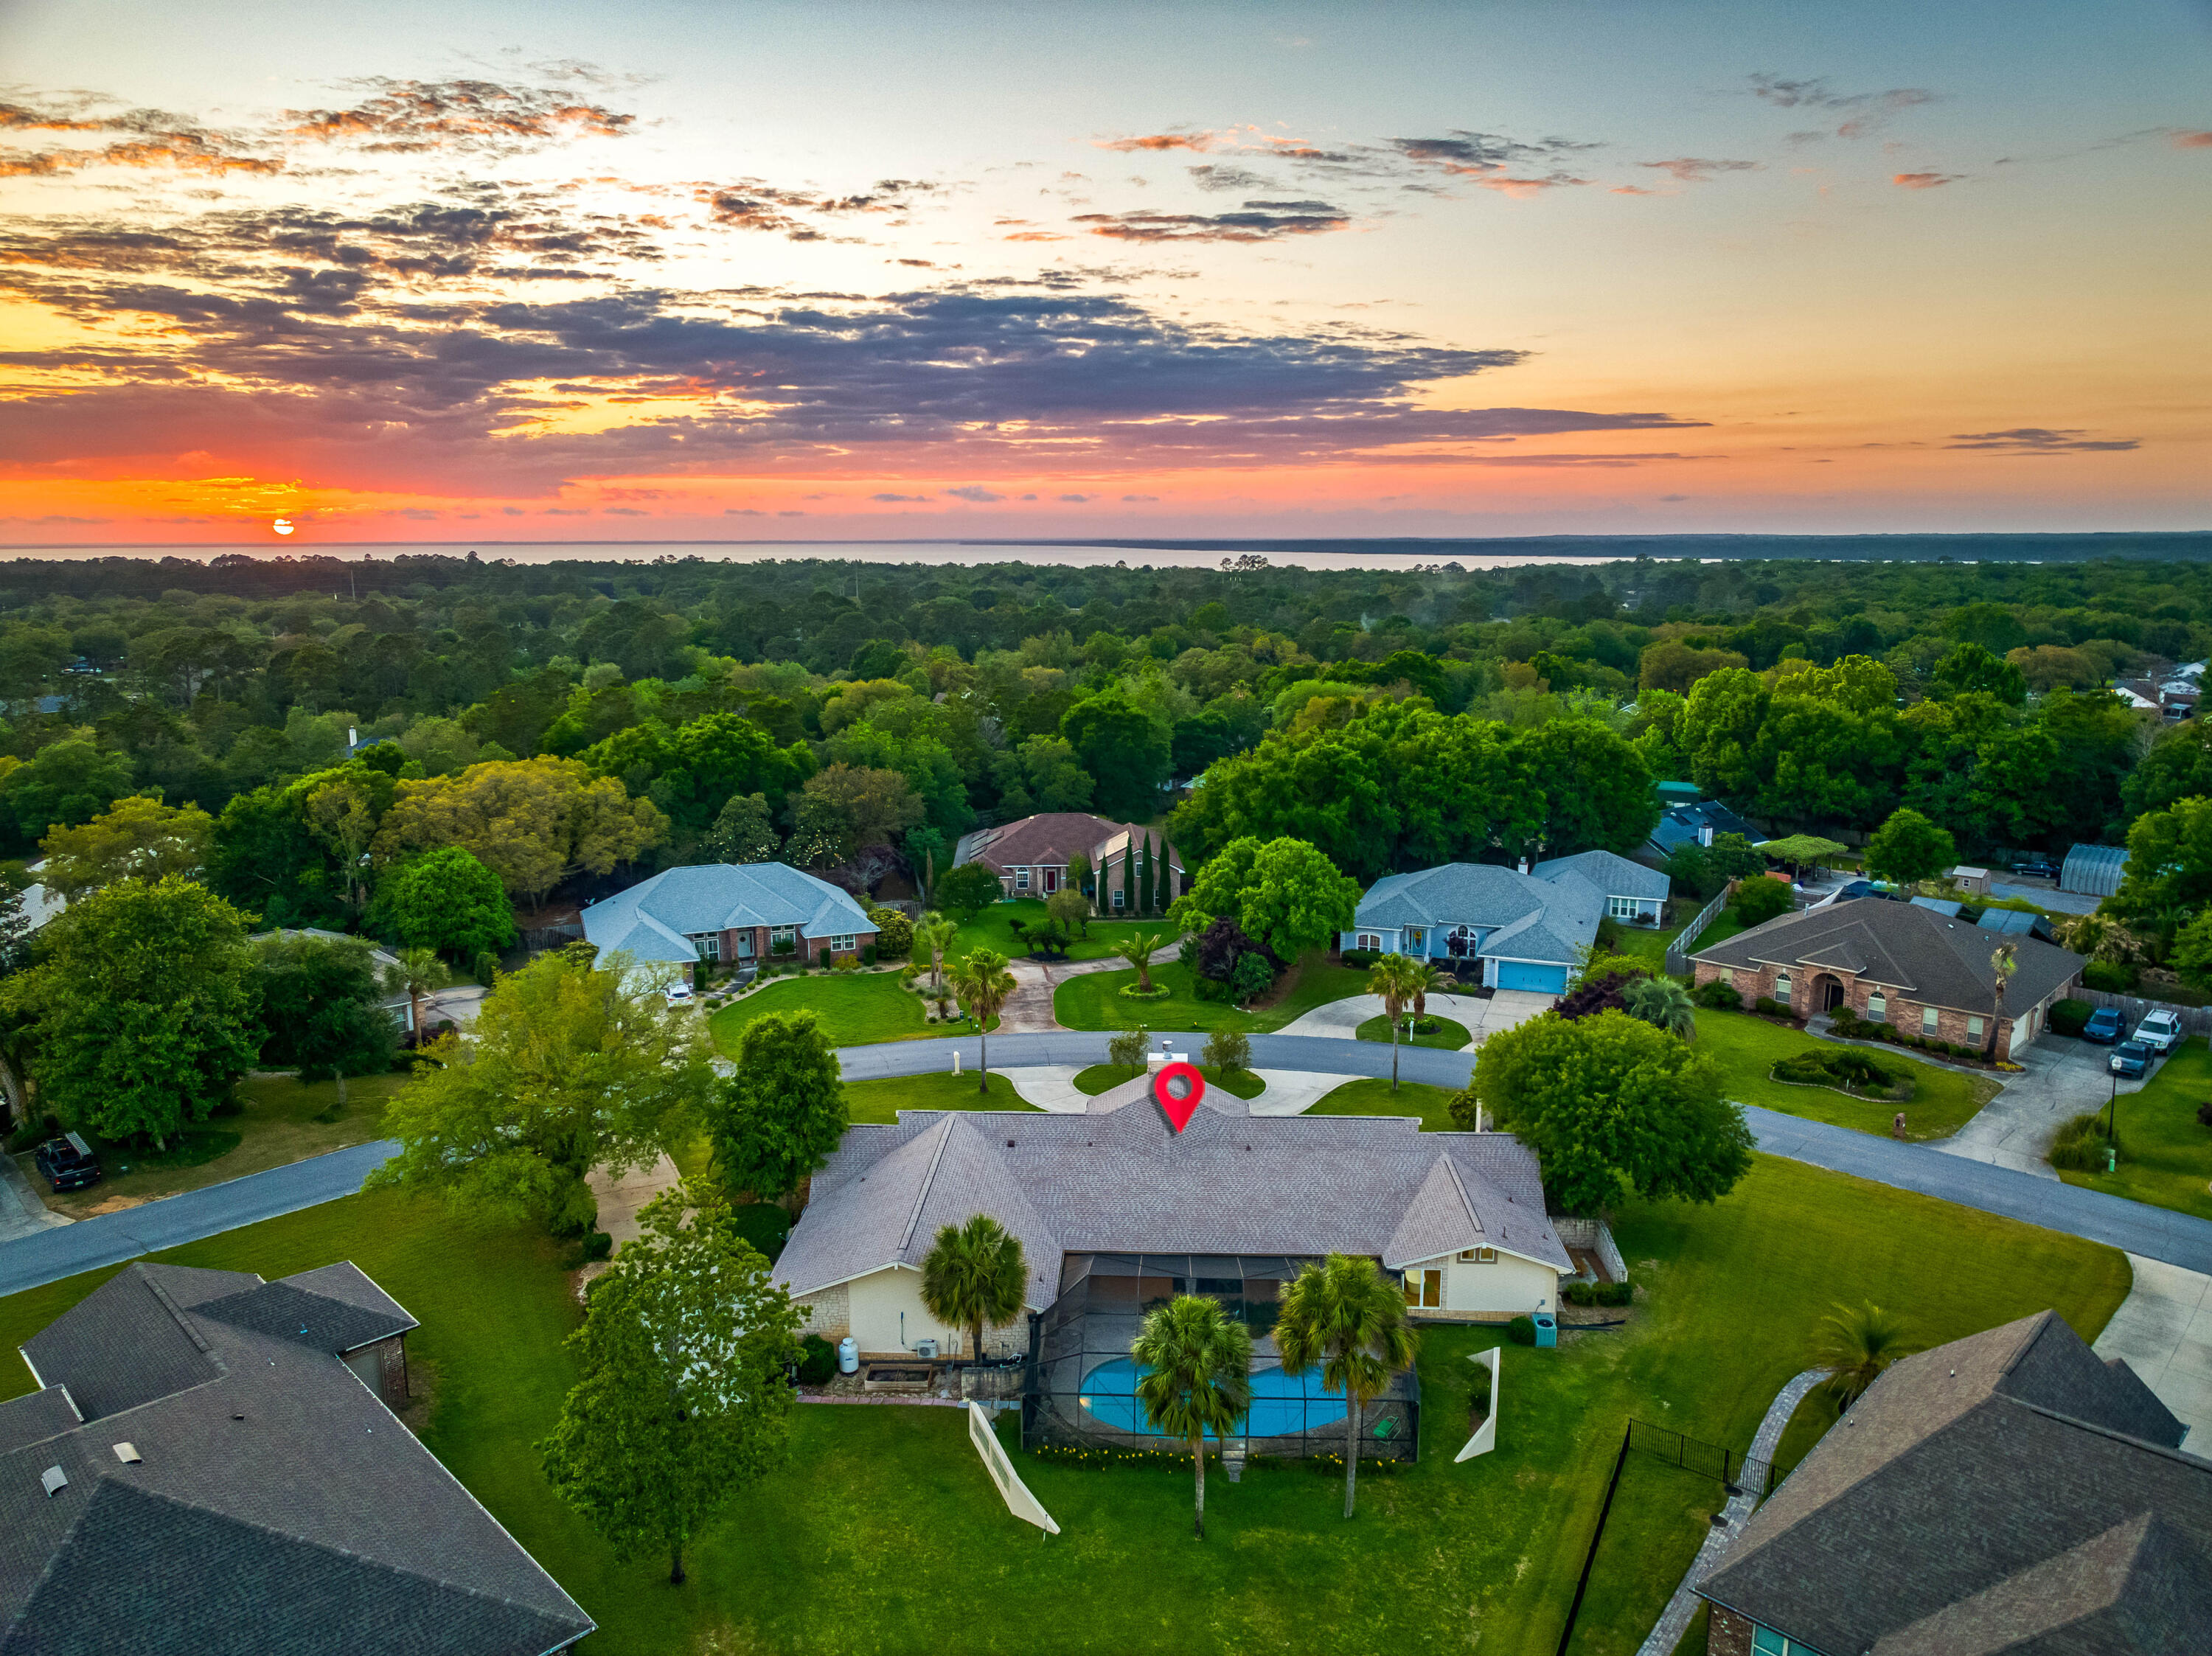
1547	1329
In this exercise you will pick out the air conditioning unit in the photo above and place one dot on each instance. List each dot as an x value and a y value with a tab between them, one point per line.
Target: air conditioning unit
926	1348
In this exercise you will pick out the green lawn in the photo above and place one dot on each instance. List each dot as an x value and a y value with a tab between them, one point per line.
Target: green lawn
280	1120
1372	1096
882	1533
856	1008
881	1101
1723	927
1447	1035
993	928
1747	1048
1099	1076
1094	1001
2165	1152
1649	946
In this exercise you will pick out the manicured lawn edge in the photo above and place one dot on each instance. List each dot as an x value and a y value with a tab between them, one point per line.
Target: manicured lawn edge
1449	1035
1747	1048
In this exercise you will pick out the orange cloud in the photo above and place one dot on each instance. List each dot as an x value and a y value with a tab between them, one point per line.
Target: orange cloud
1201	141
2192	141
1925	180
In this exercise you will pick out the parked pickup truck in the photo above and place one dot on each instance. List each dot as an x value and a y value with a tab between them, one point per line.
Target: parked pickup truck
2160	1031
67	1162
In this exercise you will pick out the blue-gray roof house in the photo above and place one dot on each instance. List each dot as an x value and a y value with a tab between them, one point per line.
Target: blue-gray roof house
729	911
1523	929
1696	823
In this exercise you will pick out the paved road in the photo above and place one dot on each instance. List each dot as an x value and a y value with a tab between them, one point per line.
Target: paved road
113	1238
2154	1232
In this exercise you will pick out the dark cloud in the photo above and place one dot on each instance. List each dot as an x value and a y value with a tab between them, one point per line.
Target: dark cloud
1259	221
751	205
412	116
2041	439
1493	161
1217	176
1078	500
975	493
1690	169
912	500
1866	112
1138	500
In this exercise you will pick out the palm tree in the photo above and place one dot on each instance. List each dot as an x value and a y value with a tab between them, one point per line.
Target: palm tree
974	1277
1855	1343
2004	961
982	982
1435	980
1137	949
1397	978
1347	1317
418	971
1197	1378
936	933
1663	1002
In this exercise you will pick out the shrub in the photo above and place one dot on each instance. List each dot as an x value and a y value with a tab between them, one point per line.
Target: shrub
598	1244
1759	901
1128	1049
846	963
2081	1145
2109	976
1360	959
1157	991
1719	995
1211	989
1768	1008
1522	1330
2205	1114
817	1361
1835	1067
2069	1017
1226	1050
867	954
1608	1294
1254	976
894	933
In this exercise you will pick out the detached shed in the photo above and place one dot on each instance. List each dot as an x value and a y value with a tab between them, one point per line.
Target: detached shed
2093	870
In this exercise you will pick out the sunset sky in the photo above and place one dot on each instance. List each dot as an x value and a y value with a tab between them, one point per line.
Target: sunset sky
578	272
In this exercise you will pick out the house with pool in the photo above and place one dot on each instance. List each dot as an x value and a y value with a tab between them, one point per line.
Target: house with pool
1118	1212
1507	928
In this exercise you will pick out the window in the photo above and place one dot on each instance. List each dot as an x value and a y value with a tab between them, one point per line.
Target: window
1765	1641
782	939
1021	879
708	943
1929	1018
1973	1028
1478	1256
1782	987
1425	1288
1372	941
842	944
1622	909
1118	896
1877	1007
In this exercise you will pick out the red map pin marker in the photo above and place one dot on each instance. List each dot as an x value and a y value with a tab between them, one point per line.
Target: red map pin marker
1179	1110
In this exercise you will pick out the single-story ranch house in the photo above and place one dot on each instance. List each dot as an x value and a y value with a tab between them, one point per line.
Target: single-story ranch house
209	1466
2005	1492
1519	928
1921	972
1031	856
726	912
1459	1217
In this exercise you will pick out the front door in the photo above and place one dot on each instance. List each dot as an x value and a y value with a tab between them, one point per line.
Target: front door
1051	880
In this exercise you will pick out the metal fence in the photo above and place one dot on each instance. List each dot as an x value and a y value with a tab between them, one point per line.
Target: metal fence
1735	1471
1080	1388
2195	1020
1678	957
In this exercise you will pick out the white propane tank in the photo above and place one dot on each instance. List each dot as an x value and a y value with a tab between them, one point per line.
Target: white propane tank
848	1355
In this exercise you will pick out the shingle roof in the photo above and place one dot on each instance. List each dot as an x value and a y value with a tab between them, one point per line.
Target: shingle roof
276	1505
2003	1492
1680	824
1541	919
1051	838
652	920
1123	1180
1929	957
1613	875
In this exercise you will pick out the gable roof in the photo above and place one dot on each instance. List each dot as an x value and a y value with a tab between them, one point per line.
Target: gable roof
1528	918
1613	875
276	1507
1121	1181
1679	825
1927	956
2007	1492
654	919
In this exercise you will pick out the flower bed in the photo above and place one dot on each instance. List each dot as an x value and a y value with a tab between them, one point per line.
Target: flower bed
1158	991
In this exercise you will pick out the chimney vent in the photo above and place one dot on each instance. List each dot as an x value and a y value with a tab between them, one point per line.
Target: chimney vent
55	1481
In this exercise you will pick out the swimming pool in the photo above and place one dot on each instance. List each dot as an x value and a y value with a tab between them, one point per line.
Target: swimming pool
1280	1403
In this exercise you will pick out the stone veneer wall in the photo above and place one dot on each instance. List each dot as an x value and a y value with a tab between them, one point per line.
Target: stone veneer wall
1727	1634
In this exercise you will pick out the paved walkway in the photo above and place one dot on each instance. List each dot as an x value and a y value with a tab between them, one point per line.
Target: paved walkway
2164	1330
1029	1010
1674	1620
21	1211
620	1199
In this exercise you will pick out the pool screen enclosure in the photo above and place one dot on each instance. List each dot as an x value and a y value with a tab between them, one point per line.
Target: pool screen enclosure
1080	1387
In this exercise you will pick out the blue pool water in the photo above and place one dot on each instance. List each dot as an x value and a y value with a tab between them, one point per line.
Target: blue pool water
1280	1403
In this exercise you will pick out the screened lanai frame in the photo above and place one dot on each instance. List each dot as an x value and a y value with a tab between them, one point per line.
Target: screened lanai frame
1079	1388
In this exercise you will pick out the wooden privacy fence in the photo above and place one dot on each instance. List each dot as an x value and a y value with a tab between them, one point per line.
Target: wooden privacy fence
2195	1020
1678	955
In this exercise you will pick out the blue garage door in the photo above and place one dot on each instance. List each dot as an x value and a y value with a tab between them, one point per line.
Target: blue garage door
1521	975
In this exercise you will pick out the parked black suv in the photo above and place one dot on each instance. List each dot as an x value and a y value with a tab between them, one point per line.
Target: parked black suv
2036	870
68	1163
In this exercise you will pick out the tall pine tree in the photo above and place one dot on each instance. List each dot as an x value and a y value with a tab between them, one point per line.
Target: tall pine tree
1167	892
1129	875
1144	879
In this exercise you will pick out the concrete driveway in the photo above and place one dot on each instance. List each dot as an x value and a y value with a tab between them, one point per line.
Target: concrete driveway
2062	1078
2164	1330
22	1212
1501	1011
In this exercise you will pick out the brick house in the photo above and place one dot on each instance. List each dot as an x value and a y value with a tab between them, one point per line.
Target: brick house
1920	971
724	913
2009	1491
1031	856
